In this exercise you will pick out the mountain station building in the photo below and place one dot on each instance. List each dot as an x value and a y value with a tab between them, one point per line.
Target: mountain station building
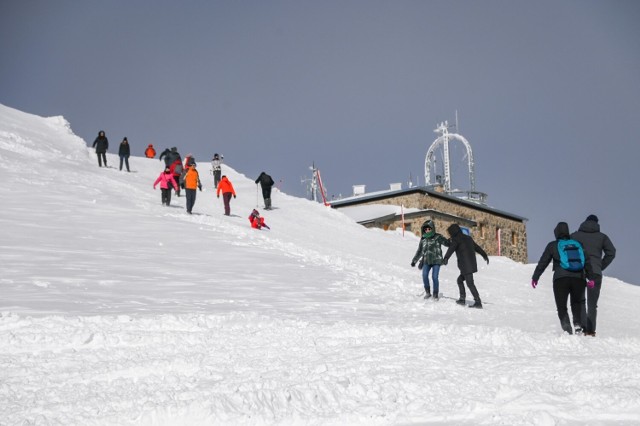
498	232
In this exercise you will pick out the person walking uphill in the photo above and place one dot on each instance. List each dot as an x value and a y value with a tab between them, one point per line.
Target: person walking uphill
165	179
565	281
191	182
595	243
227	190
465	249
266	182
101	144
430	254
123	152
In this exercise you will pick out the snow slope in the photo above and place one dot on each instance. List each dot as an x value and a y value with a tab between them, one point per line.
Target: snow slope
115	310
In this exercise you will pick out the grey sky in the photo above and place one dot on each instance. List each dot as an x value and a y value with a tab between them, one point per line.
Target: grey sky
547	92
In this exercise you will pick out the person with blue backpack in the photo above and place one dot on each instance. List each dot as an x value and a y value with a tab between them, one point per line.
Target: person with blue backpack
570	268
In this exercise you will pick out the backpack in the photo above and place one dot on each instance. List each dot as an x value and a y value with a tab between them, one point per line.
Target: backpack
571	255
269	181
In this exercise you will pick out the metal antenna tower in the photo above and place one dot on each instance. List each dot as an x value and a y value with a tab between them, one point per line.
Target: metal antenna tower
443	141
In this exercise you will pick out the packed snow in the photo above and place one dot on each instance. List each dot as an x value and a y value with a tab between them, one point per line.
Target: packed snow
116	310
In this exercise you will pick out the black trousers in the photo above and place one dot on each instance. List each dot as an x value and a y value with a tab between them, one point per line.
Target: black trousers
191	198
216	177
166	195
562	288
126	161
472	287
591	314
102	157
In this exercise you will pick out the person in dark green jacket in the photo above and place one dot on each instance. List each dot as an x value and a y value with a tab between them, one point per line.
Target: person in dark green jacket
430	254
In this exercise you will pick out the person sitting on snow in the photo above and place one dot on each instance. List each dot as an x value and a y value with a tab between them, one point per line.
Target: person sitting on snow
257	221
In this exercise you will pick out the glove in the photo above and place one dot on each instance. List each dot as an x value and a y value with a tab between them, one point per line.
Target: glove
218	196
591	284
534	283
200	188
234	195
413	264
420	265
487	259
445	261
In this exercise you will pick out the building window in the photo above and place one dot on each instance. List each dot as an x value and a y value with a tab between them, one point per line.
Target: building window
514	238
482	230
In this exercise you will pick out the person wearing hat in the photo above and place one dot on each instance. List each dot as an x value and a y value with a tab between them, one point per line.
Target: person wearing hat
191	183
266	182
429	256
123	152
165	179
101	144
601	252
216	168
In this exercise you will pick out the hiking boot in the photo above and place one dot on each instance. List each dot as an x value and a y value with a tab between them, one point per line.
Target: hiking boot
477	304
461	301
578	331
435	295
427	294
589	333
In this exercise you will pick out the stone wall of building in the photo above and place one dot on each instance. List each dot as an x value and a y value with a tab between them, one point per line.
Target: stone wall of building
513	233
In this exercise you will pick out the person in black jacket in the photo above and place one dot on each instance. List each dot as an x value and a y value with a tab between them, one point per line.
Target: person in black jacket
465	249
101	144
565	282
123	152
167	157
595	243
266	182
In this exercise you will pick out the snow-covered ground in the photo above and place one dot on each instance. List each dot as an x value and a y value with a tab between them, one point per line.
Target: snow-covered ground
115	310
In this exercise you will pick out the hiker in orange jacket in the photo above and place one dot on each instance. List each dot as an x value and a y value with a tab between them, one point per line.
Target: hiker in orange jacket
150	152
227	190
191	182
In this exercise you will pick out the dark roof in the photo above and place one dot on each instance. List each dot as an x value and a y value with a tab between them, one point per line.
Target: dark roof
381	195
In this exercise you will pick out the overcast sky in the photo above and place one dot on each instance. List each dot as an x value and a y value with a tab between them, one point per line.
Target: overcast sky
547	93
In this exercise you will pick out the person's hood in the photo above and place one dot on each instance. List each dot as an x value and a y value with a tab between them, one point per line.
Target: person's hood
589	226
454	229
427	223
561	231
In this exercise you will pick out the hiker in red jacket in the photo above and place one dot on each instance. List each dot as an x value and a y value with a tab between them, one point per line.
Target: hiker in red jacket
257	221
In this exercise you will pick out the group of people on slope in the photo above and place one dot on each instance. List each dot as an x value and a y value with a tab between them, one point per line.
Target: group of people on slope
598	252
101	145
177	176
429	258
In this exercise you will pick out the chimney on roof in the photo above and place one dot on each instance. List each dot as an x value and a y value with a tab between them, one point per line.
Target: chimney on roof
395	186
